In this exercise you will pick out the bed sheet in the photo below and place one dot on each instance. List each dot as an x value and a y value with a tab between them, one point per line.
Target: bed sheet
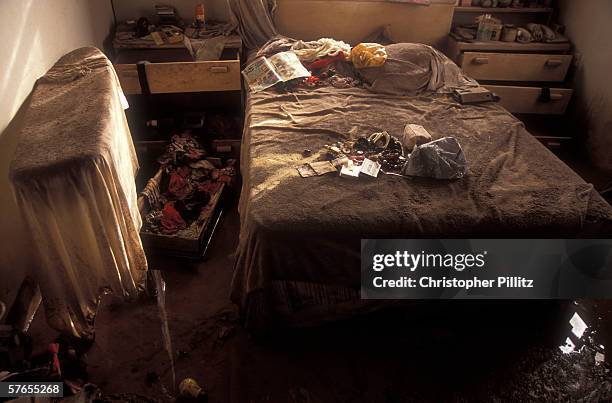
298	258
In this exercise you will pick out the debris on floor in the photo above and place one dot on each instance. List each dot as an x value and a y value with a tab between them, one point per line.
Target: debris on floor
189	388
564	377
328	364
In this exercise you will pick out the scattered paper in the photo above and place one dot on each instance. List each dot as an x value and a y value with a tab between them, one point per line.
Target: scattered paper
340	161
265	72
370	168
568	347
350	171
323	167
578	325
306	171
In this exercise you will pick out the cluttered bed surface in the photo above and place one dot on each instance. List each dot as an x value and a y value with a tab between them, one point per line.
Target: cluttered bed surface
368	143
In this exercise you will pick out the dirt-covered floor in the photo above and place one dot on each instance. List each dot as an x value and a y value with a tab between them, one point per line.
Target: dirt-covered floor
439	351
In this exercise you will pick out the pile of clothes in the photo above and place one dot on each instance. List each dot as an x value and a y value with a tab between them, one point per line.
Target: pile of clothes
330	62
328	71
190	181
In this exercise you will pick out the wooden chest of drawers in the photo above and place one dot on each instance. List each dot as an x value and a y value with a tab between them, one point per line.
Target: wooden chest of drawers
529	78
516	66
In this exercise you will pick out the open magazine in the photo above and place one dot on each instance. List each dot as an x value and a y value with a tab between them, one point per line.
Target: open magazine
265	72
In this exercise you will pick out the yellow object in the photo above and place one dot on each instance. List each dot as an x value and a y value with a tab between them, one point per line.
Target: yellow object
157	38
368	55
189	388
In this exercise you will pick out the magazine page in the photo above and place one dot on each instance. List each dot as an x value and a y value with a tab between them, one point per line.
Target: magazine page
288	66
260	75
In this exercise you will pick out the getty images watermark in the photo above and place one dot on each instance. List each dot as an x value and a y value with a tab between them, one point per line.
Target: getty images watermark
476	268
404	260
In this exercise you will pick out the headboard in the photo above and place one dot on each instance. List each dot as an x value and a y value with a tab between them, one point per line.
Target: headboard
353	20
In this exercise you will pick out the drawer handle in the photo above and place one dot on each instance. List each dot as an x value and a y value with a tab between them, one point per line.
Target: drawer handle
223	149
554	62
480	60
548	96
556	97
219	69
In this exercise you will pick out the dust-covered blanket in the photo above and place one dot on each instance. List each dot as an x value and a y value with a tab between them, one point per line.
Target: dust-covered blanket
73	176
298	258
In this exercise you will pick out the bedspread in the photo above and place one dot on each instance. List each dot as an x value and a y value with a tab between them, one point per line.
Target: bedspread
299	243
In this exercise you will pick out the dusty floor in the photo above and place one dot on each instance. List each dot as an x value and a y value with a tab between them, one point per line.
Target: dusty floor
437	352
459	351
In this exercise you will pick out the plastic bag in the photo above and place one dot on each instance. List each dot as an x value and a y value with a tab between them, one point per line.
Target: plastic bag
209	49
368	55
439	159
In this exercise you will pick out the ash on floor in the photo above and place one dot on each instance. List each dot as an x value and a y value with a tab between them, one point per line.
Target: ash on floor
440	351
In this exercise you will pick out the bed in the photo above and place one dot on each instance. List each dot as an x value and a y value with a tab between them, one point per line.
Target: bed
298	258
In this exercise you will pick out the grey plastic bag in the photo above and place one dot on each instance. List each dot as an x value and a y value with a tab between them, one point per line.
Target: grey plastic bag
440	159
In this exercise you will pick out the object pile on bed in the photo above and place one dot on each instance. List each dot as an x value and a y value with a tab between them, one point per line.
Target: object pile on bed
416	155
401	69
291	65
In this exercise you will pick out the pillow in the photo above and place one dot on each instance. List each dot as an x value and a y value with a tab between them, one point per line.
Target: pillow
412	68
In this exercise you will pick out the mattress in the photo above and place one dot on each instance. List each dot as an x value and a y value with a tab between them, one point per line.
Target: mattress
298	258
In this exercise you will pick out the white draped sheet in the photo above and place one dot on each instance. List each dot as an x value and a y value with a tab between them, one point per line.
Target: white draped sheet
73	179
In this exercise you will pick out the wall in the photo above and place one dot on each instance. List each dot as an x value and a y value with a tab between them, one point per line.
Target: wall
352	21
132	9
35	33
588	26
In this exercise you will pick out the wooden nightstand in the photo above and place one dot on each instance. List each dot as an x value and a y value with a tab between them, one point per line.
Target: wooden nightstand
528	77
164	85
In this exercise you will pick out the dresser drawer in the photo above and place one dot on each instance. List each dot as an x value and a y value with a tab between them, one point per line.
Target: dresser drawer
529	99
177	77
515	67
171	71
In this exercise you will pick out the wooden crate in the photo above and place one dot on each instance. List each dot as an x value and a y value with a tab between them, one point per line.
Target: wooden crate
174	245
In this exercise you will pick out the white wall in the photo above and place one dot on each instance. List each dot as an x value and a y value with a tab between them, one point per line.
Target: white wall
35	33
132	9
589	26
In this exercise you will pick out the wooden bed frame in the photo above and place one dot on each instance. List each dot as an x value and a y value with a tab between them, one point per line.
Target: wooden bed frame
353	20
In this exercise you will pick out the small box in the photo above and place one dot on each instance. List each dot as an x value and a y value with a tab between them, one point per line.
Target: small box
350	171
473	95
414	135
